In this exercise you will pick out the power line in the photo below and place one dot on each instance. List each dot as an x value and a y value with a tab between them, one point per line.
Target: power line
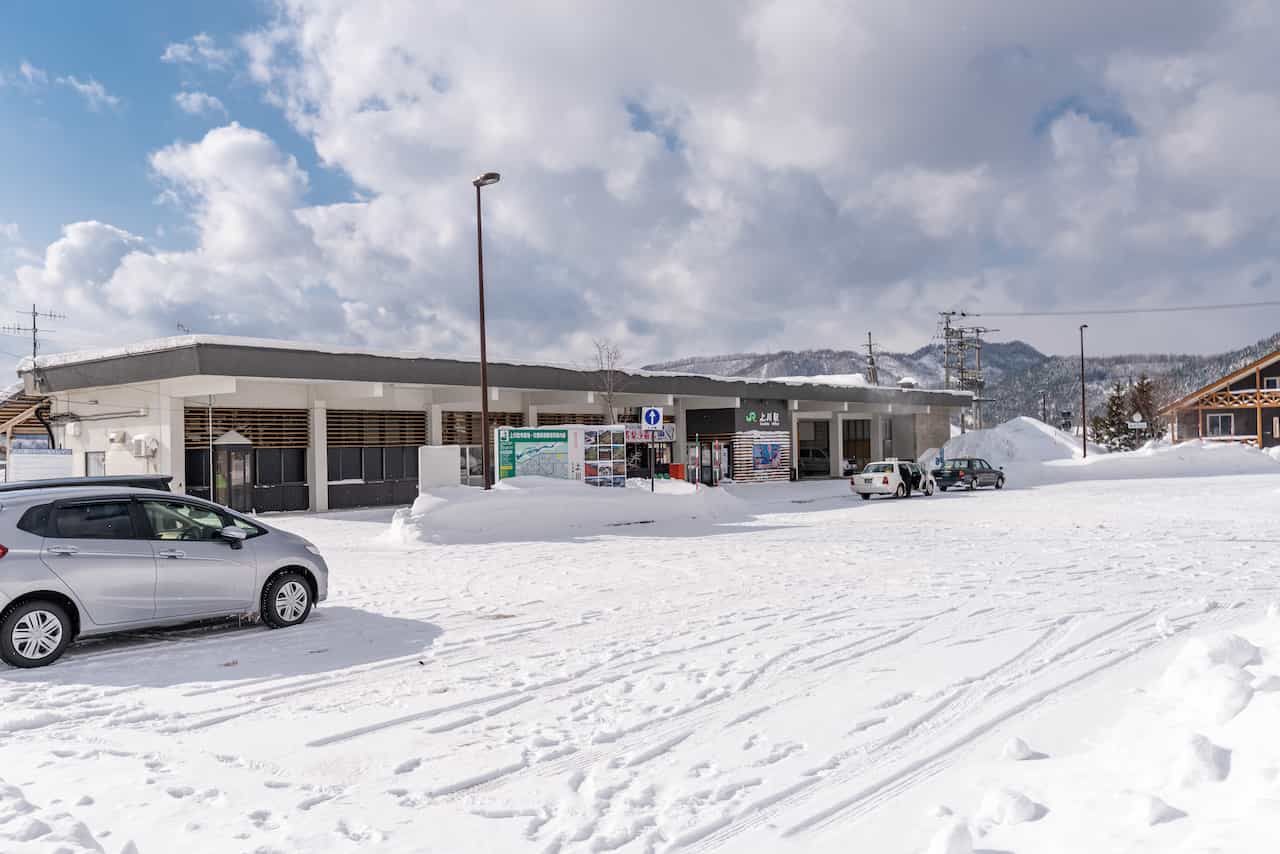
1099	311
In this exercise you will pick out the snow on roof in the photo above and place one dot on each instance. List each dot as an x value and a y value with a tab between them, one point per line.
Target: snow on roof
177	342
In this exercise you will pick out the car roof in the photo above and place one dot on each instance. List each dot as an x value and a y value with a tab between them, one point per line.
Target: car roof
37	496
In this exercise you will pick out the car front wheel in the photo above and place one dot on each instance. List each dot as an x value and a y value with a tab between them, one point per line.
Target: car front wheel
999	483
34	634
286	600
928	489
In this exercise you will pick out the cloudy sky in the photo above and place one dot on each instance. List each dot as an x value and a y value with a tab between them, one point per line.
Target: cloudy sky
682	178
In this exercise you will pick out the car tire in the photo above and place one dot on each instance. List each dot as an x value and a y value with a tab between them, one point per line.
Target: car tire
865	496
973	484
35	634
900	492
286	600
942	488
999	483
928	489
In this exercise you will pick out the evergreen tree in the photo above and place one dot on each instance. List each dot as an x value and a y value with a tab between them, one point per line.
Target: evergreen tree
1142	400
1112	428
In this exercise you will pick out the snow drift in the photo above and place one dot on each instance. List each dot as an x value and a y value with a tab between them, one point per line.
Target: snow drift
538	508
1033	453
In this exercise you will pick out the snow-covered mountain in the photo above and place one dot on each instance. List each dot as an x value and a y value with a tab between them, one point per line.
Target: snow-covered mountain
1017	373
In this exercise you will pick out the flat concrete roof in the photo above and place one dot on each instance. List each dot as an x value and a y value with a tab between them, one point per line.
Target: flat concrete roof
213	355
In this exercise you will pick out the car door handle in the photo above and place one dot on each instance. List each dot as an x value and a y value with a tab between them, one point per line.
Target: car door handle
63	550
171	553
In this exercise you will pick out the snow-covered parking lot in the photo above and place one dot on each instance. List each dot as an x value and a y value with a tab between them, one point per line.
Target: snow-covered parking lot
805	672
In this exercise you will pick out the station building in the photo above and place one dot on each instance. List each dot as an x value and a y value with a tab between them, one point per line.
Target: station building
264	425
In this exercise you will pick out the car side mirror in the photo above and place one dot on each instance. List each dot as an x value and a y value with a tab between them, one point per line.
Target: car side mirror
234	536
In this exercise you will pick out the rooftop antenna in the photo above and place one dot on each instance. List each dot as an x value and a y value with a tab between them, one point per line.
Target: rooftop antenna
184	329
34	329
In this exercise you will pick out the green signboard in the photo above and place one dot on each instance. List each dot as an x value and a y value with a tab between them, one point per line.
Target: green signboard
532	451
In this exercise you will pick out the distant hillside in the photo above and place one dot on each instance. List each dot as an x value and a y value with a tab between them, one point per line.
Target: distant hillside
1016	372
925	364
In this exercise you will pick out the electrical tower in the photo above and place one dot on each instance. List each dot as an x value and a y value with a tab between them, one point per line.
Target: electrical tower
34	329
959	371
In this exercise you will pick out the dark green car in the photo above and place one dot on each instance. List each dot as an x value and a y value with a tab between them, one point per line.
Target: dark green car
969	472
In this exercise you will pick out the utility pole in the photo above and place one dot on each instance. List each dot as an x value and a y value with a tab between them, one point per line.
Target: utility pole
872	373
1044	406
1084	417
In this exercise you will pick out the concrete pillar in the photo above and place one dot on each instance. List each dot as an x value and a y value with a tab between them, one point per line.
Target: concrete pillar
795	436
836	447
436	434
318	457
531	416
877	437
172	458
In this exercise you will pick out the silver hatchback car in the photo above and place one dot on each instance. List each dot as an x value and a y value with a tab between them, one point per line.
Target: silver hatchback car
80	562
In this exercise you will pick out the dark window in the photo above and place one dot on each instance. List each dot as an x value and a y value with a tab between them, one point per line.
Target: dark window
198	468
411	463
100	520
350	468
268	466
35	520
177	520
394	463
335	464
373	470
293	463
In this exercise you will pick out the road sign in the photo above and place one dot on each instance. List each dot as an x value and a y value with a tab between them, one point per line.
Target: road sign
651	417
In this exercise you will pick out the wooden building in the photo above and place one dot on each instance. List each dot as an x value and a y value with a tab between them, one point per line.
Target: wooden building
1243	406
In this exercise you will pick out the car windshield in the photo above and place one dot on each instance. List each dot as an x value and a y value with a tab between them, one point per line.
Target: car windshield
875	468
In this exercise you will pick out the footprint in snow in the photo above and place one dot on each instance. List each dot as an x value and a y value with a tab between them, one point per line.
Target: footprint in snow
313	801
408	766
180	792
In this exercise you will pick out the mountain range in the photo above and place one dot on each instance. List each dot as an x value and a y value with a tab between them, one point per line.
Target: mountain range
1020	379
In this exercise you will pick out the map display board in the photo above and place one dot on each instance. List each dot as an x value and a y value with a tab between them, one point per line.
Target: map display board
533	451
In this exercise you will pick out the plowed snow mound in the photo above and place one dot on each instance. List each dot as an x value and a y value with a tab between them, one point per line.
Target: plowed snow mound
1033	453
537	508
1021	440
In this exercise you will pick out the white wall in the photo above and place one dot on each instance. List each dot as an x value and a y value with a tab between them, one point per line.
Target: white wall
125	402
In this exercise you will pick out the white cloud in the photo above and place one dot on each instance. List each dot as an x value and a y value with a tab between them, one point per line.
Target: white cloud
198	103
10	231
200	49
93	92
34	76
835	165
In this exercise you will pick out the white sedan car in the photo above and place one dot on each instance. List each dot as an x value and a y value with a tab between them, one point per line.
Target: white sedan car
898	478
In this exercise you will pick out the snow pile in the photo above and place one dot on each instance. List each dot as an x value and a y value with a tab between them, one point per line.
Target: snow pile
1020	440
538	508
1196	750
827	379
1033	453
26	828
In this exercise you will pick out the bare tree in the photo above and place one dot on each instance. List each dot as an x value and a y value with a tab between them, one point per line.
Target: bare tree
609	377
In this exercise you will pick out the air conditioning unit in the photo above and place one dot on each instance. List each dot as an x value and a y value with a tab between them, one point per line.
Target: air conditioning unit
144	445
117	437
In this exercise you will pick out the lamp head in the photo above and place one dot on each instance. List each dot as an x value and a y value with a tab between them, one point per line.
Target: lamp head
486	179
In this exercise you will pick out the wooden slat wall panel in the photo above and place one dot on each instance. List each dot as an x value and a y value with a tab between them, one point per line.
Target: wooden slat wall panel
265	428
742	470
463	428
555	419
14	406
354	428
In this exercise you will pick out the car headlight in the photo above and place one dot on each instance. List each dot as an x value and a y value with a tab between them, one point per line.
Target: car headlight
311	547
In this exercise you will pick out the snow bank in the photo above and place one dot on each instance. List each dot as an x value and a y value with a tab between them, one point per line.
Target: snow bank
537	508
1020	440
1033	453
29	829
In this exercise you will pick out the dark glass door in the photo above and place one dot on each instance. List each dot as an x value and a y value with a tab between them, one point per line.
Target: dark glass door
233	478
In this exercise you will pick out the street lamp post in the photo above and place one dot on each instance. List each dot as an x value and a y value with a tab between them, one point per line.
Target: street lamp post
483	181
1084	417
